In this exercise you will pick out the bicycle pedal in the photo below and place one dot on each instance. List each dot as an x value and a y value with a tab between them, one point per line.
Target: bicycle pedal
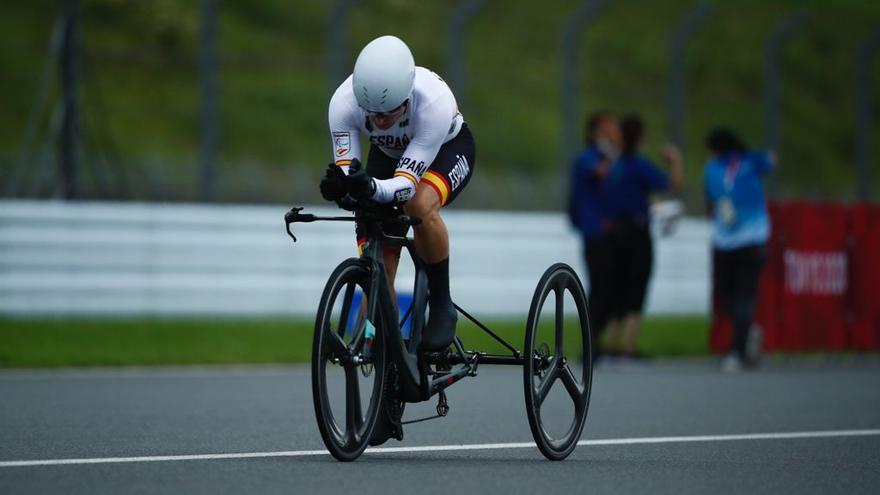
442	404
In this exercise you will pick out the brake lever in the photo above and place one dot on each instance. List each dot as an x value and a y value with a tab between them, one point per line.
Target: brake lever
293	216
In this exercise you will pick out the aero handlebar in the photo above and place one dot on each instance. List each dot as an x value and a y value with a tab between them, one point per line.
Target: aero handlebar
364	214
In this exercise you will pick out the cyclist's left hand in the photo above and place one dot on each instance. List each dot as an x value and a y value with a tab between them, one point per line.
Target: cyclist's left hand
333	183
358	183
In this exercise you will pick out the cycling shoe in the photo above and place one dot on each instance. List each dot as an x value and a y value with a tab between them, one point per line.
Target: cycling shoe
388	423
440	330
385	429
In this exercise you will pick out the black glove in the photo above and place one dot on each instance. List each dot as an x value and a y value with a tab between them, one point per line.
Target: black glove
347	203
333	183
358	184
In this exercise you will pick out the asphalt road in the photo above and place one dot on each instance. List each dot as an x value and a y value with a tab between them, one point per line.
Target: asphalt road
172	412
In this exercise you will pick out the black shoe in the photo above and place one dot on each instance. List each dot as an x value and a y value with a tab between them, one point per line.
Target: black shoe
440	330
388	423
385	429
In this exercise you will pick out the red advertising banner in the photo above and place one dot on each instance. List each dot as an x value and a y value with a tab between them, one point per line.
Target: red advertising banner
814	294
821	285
865	279
769	312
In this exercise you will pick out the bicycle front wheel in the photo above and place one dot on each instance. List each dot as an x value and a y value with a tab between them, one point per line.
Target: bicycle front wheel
348	363
557	351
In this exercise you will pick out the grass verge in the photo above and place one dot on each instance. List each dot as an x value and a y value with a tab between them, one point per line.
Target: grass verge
34	343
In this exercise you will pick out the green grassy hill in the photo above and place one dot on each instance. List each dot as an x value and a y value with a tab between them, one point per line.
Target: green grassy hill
140	89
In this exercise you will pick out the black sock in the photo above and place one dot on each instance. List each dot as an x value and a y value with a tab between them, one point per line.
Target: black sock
438	281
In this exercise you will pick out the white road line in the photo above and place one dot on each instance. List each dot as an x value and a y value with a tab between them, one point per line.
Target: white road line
441	448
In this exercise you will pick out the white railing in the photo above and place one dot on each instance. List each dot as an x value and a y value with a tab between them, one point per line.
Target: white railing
165	259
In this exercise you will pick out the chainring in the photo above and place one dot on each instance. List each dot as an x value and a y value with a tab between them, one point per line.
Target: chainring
393	405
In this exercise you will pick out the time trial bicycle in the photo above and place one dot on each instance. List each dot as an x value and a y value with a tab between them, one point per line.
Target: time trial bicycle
359	337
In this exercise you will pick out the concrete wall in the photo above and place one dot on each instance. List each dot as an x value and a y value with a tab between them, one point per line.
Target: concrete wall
164	259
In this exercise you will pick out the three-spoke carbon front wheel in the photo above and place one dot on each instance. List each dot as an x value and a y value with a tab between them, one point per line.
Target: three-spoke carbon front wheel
348	363
558	362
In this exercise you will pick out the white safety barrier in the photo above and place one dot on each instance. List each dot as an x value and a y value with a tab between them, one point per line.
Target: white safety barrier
178	259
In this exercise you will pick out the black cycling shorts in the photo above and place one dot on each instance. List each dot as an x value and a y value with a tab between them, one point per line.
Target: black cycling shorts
448	174
631	268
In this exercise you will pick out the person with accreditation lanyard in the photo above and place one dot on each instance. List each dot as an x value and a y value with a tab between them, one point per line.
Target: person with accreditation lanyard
740	229
421	156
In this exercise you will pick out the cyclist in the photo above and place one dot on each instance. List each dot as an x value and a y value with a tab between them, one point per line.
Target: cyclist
421	156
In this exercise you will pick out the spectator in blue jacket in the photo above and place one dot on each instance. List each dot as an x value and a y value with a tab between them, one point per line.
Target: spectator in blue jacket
628	189
588	213
740	230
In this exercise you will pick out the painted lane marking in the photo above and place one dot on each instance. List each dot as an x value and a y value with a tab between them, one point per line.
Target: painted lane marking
442	448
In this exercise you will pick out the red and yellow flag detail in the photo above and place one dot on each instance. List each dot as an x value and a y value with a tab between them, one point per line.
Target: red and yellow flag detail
438	182
343	163
411	177
360	242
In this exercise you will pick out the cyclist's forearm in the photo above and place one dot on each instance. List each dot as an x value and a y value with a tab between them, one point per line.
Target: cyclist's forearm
399	189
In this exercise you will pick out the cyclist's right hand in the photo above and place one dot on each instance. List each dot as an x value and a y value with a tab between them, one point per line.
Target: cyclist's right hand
347	203
333	183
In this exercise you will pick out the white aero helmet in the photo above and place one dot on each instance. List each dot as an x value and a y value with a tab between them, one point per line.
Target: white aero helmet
383	74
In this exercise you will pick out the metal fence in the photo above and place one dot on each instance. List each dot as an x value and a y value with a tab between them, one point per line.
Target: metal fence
70	122
61	258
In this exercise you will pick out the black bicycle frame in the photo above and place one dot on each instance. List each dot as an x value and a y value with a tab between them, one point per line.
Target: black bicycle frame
413	383
415	379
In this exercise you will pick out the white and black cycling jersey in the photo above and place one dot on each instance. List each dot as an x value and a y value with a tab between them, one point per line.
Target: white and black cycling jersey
430	120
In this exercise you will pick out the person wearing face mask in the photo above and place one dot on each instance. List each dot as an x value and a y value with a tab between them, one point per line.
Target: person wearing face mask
589	214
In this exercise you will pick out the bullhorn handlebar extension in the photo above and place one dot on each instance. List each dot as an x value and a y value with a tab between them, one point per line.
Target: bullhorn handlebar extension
364	213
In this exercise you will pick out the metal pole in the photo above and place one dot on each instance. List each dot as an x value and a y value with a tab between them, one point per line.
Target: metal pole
70	121
337	60
457	77
209	112
677	77
569	65
865	58
789	27
14	186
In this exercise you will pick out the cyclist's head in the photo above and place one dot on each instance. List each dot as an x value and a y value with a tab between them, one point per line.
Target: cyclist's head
722	141
603	125
383	75
633	129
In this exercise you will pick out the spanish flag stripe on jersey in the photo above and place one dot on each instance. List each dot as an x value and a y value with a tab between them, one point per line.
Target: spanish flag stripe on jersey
411	177
439	192
439	184
342	163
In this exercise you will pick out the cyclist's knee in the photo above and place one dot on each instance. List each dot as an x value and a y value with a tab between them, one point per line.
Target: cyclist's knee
425	204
